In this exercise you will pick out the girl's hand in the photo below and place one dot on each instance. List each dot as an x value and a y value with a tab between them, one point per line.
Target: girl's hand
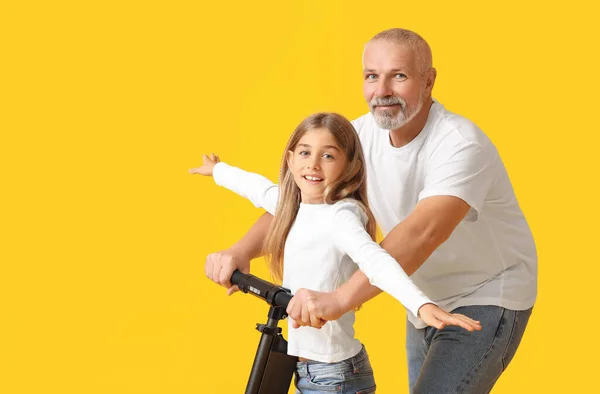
208	164
314	308
433	316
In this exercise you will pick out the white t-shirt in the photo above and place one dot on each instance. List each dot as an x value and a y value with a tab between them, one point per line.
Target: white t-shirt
490	258
320	253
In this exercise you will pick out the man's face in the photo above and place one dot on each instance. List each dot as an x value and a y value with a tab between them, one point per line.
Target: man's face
393	85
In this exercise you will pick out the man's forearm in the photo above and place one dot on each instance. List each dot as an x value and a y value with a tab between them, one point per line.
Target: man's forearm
409	245
250	246
430	224
356	291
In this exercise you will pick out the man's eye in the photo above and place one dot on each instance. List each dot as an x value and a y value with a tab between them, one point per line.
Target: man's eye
370	77
400	76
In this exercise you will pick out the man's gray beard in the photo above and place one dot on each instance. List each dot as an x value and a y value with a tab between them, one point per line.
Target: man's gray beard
387	121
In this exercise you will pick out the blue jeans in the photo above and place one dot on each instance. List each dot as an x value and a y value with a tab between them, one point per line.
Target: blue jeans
351	376
453	360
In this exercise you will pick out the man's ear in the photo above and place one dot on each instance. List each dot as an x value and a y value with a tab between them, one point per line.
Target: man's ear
431	74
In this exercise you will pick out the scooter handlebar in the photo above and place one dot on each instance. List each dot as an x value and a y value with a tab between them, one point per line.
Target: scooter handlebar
274	295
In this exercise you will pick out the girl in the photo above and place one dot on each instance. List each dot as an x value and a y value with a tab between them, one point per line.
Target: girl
321	230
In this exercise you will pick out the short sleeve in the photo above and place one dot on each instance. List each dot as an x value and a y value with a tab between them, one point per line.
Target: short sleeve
462	169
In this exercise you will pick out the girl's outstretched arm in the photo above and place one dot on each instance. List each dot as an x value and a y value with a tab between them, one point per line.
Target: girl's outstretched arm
259	190
220	265
208	165
379	269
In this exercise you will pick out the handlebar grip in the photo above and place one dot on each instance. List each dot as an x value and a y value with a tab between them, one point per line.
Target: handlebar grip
237	277
274	295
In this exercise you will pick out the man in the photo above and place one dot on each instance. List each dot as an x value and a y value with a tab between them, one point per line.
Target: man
443	199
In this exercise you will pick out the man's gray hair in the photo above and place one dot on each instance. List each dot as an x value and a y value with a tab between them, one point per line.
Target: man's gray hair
412	40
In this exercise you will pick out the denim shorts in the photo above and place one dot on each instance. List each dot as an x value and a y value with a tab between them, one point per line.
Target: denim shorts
350	376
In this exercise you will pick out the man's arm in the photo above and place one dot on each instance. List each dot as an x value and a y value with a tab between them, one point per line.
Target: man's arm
220	266
250	245
411	242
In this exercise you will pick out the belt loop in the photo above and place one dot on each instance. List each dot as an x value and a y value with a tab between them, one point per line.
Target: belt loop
354	362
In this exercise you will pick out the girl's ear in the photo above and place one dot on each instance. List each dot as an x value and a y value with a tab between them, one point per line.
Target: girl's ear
289	157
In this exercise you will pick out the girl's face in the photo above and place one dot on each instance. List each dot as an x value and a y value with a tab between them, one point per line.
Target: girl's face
317	162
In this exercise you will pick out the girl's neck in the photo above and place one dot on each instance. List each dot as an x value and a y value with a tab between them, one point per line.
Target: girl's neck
312	200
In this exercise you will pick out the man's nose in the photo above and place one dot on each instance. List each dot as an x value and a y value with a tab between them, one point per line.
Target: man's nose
384	88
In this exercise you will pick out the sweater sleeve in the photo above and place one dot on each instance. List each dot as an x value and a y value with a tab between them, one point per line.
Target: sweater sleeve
259	190
382	269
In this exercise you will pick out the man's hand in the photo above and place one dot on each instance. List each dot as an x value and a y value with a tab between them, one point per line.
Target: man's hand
436	317
314	308
208	164
220	266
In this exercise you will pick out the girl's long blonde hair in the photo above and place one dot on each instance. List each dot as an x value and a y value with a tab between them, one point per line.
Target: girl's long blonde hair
351	184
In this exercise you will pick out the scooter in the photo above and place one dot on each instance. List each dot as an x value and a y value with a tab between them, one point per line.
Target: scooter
273	368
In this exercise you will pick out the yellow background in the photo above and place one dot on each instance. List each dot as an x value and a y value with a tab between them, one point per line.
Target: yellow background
106	104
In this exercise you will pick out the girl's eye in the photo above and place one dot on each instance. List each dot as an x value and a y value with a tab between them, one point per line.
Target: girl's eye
304	153
327	156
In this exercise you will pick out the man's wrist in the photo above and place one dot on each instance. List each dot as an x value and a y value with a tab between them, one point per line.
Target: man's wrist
239	253
355	292
343	299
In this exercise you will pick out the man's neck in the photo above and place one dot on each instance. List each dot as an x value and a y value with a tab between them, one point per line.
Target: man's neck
403	135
